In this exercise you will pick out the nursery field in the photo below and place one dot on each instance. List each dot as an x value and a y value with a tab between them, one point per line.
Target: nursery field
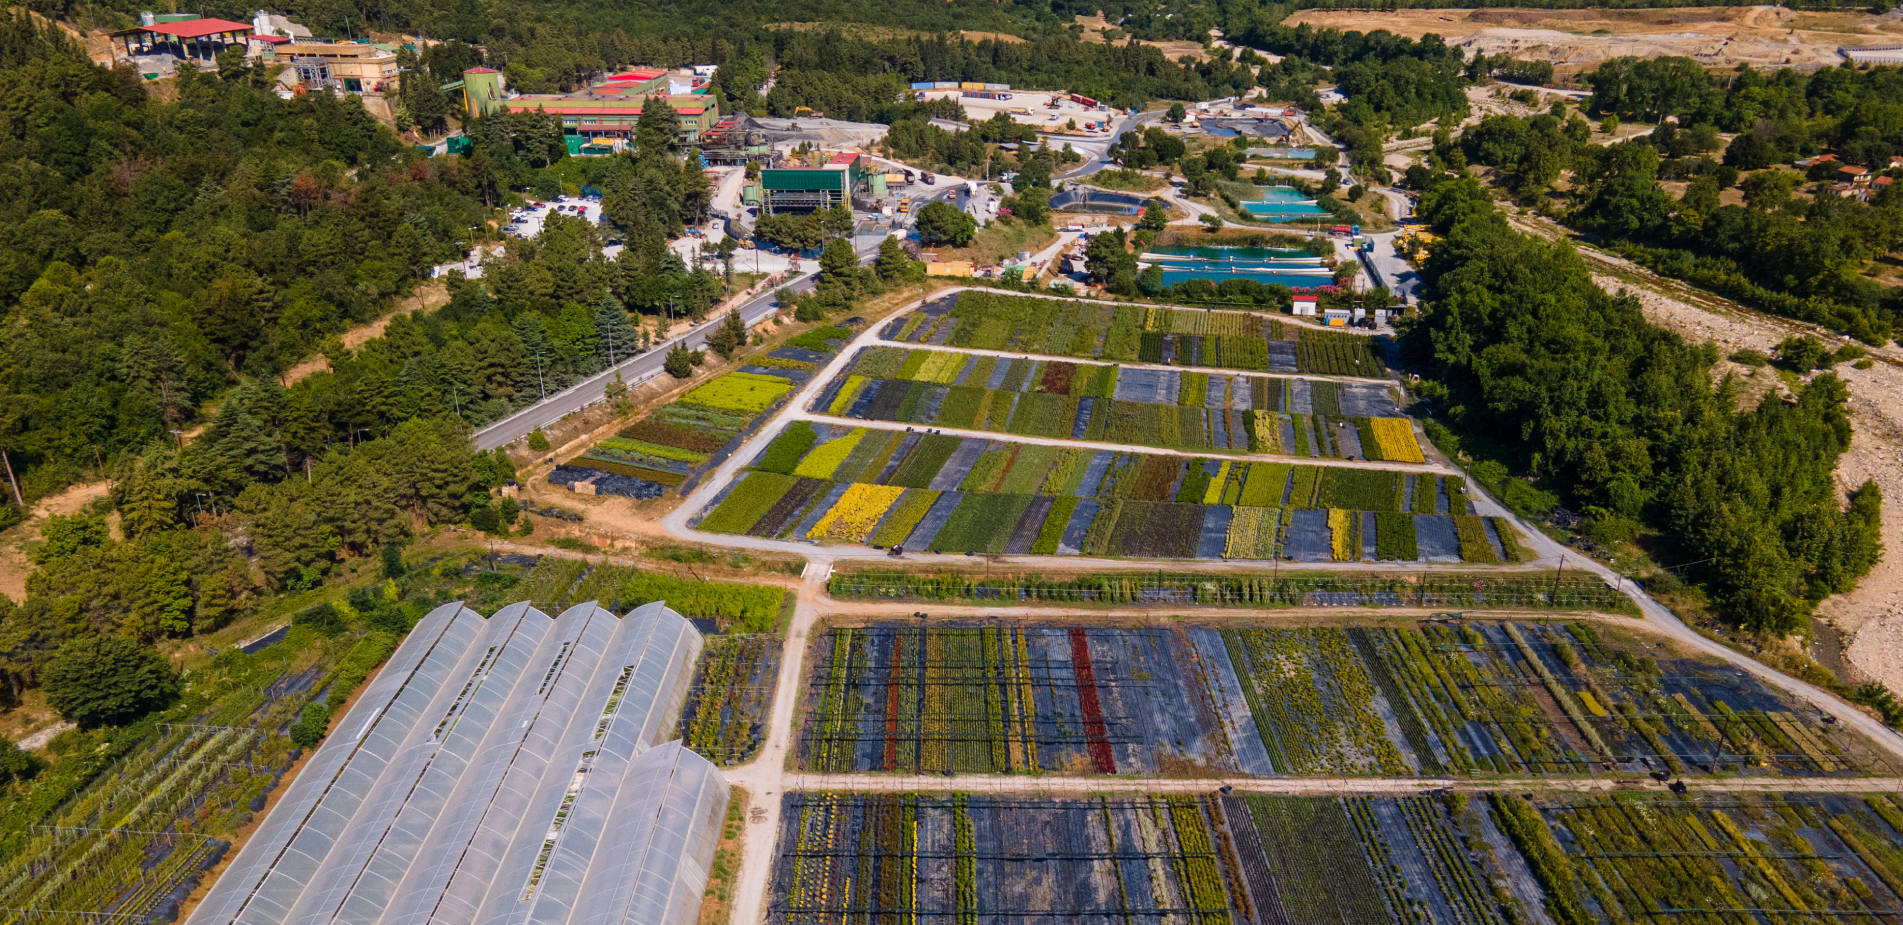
987	320
1496	698
957	858
824	483
555	584
678	441
1234	588
998	699
1354	859
1148	407
1516	699
731	699
123	831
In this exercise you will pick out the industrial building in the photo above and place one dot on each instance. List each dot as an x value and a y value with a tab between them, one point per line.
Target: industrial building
606	112
510	769
808	189
346	66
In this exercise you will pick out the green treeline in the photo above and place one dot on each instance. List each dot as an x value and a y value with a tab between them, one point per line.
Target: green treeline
1799	256
1537	367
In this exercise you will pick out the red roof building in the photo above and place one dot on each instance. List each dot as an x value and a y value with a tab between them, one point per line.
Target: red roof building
198	40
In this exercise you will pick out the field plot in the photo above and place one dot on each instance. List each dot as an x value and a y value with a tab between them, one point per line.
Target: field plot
1512	699
1151	334
1516	699
681	439
1148	407
966	858
824	483
998	699
727	708
1716	858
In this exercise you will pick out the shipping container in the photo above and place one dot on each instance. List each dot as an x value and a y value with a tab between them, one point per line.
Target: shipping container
971	85
997	86
921	85
945	85
1083	100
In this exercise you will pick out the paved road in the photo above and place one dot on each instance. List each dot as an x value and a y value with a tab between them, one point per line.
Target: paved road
638	369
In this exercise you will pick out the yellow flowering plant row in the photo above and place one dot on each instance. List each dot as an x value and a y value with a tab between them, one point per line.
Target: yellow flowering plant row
857	512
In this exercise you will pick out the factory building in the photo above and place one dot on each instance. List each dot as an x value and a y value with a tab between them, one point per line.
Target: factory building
512	768
606	112
808	189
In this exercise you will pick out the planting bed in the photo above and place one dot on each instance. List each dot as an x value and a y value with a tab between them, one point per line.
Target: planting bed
819	482
1186	337
724	718
1150	407
997	699
678	441
1352	859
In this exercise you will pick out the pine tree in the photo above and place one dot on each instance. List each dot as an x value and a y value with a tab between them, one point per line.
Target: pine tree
615	338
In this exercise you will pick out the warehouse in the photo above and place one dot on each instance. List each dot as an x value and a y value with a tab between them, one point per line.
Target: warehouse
512	768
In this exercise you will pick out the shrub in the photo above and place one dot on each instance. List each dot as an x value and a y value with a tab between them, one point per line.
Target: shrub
538	441
323	618
677	364
311	726
1750	357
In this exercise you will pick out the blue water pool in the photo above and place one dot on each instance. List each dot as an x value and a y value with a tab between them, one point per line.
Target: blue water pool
1283	202
1293	154
1292	268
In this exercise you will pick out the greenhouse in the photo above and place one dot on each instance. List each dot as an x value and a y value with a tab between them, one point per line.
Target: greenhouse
516	768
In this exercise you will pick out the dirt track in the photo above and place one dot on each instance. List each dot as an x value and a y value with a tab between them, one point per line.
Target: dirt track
1575	40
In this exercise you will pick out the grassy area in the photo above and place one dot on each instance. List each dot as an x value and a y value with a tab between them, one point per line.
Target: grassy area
999	241
1126	180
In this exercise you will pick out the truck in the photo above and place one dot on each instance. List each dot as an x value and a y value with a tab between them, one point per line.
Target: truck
1341	229
905	205
928	178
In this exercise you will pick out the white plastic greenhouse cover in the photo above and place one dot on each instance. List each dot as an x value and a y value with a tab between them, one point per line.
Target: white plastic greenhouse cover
508	770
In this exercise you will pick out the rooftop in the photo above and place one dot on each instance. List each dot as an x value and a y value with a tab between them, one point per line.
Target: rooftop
512	767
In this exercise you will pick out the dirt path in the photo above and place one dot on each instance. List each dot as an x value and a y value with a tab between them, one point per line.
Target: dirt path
14	564
427	298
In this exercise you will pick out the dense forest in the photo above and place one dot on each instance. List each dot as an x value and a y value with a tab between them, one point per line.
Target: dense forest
1535	368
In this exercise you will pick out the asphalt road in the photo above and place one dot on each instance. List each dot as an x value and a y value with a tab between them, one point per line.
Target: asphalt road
638	369
643	367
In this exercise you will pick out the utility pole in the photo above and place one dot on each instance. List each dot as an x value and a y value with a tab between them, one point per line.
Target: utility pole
540	389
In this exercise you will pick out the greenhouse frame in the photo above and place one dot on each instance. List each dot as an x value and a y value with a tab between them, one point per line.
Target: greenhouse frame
511	769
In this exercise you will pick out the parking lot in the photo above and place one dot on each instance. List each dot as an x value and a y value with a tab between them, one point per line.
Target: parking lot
527	222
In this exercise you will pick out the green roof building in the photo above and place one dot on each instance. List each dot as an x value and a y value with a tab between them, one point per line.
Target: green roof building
807	189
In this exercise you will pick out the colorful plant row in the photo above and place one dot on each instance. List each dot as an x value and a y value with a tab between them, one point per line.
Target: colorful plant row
926	491
1005	700
986	320
1283	588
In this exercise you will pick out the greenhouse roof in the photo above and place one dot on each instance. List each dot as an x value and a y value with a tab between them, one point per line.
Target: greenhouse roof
510	769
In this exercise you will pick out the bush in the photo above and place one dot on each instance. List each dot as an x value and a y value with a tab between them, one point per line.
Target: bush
311	726
1803	354
14	763
1750	357
538	441
392	556
106	680
323	618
